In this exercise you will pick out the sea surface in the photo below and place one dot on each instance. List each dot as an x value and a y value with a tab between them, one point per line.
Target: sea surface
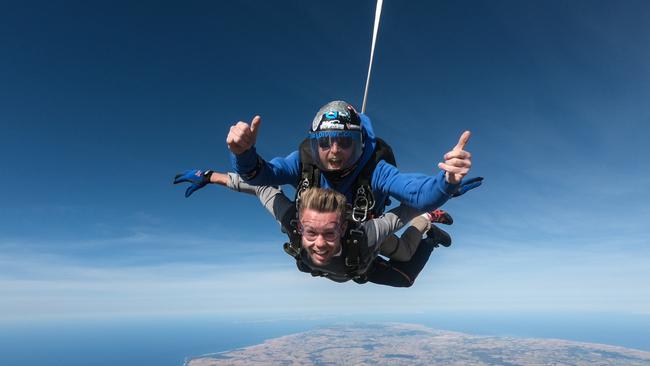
166	341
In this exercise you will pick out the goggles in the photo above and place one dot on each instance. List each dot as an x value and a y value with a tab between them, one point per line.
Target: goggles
344	140
344	143
311	235
349	144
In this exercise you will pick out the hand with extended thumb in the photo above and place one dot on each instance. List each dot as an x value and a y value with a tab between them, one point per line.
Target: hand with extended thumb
242	136
457	161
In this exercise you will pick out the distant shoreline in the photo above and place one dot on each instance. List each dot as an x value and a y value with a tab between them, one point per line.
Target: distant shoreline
382	342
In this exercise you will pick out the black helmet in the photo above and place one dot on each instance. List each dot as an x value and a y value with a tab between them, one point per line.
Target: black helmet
337	123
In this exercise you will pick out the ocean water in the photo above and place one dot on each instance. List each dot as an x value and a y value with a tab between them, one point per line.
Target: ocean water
168	341
122	342
625	330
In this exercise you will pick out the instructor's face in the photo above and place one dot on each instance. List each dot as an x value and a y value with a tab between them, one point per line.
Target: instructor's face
335	157
321	235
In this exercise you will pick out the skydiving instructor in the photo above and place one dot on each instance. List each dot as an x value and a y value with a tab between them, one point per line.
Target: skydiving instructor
342	142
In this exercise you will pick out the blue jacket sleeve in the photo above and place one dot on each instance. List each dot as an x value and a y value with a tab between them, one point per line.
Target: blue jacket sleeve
422	192
255	170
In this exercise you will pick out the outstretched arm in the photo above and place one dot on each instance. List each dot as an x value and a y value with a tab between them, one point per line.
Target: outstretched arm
271	197
426	193
422	192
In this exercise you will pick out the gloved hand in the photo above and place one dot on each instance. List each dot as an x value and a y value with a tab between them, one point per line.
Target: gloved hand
197	177
466	185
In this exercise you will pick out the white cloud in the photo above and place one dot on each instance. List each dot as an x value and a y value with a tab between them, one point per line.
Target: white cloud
494	277
492	265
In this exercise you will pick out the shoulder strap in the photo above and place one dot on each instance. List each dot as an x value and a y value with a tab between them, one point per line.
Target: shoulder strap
355	251
309	177
309	172
383	151
355	238
289	224
364	205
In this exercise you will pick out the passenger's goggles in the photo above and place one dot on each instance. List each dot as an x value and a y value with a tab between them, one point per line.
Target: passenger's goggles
311	234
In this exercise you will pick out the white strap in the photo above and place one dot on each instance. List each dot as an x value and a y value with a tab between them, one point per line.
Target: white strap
372	52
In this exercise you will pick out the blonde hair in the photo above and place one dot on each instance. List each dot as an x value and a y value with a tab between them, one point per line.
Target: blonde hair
323	200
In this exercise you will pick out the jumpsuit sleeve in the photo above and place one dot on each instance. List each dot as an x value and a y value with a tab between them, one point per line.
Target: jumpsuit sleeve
254	169
272	198
422	192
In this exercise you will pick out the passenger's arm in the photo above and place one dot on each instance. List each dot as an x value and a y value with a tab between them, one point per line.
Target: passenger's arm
271	197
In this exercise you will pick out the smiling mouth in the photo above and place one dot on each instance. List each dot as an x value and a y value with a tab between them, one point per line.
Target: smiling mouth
320	253
335	161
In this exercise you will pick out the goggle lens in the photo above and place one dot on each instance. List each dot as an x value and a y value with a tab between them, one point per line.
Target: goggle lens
326	142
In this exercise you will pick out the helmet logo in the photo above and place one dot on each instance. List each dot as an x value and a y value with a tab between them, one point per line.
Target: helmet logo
336	117
332	125
332	115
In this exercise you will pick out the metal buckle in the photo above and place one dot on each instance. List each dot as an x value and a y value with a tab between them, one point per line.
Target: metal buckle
356	233
302	186
352	262
362	205
291	250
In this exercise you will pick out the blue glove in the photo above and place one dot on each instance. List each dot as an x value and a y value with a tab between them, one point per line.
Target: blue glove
197	177
466	185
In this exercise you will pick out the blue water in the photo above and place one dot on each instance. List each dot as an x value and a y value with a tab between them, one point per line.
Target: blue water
631	331
158	342
129	342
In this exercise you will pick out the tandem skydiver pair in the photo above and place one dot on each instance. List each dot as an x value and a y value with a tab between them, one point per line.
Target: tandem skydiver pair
341	235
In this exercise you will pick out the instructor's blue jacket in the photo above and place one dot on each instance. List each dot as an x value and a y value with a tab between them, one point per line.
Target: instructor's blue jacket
422	192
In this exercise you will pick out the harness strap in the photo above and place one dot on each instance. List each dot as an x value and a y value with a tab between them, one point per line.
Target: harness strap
362	208
290	227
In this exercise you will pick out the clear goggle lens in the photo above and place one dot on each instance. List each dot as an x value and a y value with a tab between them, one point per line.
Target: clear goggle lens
326	142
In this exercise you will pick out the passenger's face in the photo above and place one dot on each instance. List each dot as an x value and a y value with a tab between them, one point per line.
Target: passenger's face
321	235
335	157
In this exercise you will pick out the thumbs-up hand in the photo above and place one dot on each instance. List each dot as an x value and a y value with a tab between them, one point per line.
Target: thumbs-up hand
242	136
457	161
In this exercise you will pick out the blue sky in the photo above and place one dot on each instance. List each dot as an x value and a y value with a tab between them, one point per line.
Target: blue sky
102	103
